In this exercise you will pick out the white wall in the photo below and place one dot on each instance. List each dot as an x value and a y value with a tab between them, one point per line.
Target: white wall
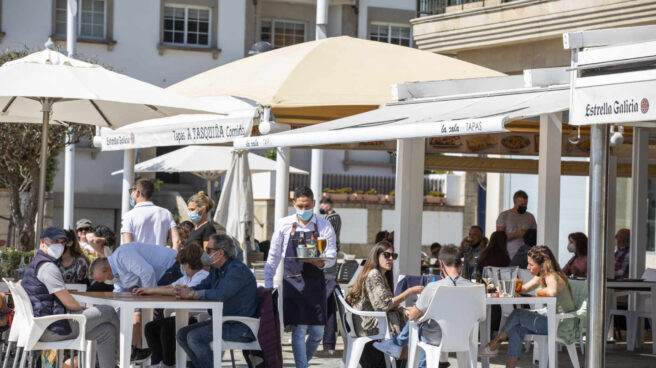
392	4
442	227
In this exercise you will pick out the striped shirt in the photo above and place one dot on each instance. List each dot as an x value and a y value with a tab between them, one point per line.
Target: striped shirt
335	220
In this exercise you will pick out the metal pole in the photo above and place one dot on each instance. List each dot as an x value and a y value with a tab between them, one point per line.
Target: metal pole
69	158
316	170
597	249
46	106
128	178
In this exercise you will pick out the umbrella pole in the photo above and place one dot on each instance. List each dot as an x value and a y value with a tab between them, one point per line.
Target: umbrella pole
46	107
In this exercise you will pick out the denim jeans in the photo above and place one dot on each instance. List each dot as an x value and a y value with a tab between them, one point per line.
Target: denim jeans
403	338
304	349
522	322
195	340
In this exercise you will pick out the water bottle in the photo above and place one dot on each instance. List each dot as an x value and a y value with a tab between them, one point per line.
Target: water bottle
477	275
21	268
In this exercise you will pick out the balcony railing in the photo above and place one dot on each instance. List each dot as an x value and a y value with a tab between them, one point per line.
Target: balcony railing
432	7
382	184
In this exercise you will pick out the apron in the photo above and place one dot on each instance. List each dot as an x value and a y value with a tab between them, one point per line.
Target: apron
303	286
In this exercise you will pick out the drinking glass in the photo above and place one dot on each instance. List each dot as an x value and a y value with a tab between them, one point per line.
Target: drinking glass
487	277
506	280
321	245
518	286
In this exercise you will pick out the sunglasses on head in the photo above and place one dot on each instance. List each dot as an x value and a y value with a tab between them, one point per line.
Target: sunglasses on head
387	255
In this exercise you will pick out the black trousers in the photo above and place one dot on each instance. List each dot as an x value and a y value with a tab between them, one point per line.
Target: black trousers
160	335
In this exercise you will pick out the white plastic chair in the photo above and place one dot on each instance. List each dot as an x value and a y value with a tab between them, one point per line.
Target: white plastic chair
18	324
354	344
632	317
541	351
253	324
458	310
29	337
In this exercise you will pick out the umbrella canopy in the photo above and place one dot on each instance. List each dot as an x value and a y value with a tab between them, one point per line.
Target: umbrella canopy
208	162
235	209
83	93
326	79
49	85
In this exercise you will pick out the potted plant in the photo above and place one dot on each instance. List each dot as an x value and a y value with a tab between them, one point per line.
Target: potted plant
371	196
389	198
435	197
357	195
341	194
326	192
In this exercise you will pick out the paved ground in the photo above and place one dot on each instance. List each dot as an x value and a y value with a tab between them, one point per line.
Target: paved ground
616	356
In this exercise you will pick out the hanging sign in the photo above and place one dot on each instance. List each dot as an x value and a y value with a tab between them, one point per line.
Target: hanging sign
178	130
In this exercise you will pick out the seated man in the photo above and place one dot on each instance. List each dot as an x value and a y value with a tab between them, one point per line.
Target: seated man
44	284
135	265
230	282
430	332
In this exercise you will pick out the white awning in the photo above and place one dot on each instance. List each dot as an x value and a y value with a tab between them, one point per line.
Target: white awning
444	116
187	129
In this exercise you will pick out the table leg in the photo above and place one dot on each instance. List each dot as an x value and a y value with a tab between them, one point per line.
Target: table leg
217	317
485	334
181	320
551	333
146	316
127	320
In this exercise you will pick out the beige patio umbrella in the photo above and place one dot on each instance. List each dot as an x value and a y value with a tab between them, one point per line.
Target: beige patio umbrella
327	79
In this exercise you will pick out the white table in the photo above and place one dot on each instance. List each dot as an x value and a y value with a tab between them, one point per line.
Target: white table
635	286
129	303
550	302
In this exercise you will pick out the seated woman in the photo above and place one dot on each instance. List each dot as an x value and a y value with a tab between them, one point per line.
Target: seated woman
578	265
496	252
160	334
373	291
73	264
103	240
551	282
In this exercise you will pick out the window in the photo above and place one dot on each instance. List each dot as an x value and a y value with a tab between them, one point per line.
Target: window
187	26
91	18
281	33
390	33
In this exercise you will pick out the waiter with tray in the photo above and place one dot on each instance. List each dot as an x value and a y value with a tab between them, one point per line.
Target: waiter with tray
304	285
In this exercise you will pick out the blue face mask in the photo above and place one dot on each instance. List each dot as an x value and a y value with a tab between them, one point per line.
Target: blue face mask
184	274
304	215
132	202
194	216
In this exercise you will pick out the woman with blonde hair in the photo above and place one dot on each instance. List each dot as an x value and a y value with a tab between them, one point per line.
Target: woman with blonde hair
551	282
200	207
373	291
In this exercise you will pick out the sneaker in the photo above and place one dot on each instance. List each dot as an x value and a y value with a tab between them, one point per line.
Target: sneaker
388	347
484	351
139	355
444	365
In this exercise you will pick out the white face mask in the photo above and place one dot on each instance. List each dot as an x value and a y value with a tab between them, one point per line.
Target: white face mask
111	282
56	250
571	247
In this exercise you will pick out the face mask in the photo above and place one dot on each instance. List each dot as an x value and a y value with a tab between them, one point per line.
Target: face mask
56	250
184	274
521	209
571	247
132	202
322	211
304	215
194	216
206	259
112	281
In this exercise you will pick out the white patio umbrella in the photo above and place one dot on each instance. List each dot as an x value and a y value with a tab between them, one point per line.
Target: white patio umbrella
235	209
207	162
49	85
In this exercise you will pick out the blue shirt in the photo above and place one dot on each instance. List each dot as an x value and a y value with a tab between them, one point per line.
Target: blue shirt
235	286
139	264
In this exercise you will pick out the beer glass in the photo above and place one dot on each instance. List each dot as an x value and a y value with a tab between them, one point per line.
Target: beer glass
321	245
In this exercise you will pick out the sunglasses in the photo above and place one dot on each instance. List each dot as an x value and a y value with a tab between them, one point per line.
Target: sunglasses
87	229
387	255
